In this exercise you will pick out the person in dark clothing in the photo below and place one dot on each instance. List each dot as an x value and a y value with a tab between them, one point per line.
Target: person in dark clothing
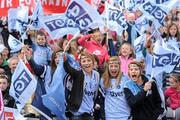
84	88
7	99
142	95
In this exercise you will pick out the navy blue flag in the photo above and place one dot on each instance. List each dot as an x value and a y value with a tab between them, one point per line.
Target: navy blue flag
37	103
177	67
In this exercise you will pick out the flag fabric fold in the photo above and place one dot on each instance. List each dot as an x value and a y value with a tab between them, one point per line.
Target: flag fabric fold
23	85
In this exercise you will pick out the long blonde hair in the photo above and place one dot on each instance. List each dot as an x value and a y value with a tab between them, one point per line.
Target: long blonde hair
106	75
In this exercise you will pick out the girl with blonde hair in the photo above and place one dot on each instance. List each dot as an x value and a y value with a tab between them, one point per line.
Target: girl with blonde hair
113	80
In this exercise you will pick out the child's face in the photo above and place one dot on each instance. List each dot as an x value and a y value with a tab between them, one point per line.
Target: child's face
173	30
173	83
125	50
41	40
3	84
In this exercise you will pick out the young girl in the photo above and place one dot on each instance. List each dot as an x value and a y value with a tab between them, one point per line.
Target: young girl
116	107
84	88
173	38
126	55
172	95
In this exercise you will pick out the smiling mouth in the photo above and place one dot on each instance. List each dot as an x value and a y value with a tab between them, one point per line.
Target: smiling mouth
134	76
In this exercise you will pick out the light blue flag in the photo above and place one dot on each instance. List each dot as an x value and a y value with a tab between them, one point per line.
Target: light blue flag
18	19
23	85
37	13
84	15
14	44
59	25
55	100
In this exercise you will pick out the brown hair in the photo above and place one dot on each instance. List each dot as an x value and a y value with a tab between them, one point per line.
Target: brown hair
139	64
177	34
41	33
175	76
106	75
3	76
87	55
131	48
53	64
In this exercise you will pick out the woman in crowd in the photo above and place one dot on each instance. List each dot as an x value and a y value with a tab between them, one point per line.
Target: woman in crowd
84	89
142	95
116	107
172	40
44	74
172	95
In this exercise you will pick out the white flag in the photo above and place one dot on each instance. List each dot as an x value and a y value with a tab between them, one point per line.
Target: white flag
84	15
18	19
14	44
23	85
141	24
163	60
157	12
59	25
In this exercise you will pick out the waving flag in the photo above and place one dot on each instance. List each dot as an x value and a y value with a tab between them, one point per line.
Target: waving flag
59	25
141	24
84	15
14	44
155	11
18	19
139	46
23	85
55	100
38	12
115	19
163	60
